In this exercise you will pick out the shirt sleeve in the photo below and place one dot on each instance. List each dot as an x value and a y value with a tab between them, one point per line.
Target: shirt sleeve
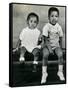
39	38
21	35
45	31
60	32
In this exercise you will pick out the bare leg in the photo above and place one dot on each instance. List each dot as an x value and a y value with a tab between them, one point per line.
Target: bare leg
59	53
44	65
35	52
22	53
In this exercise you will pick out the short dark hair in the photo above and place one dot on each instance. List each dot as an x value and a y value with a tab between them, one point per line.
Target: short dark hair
33	15
51	10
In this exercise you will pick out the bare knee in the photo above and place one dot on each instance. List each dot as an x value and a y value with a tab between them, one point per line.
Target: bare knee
59	54
45	53
35	52
22	50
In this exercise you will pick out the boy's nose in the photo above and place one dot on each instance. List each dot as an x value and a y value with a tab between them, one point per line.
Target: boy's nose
54	18
33	23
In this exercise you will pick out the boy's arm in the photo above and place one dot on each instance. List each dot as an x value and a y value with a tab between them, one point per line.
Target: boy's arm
17	46
43	41
60	35
39	40
60	41
18	43
46	43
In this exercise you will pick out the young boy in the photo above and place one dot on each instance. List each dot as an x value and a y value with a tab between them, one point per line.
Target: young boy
52	35
28	39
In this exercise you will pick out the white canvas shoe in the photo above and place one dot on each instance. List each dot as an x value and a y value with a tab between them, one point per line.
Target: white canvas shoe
35	62
44	77
61	76
22	59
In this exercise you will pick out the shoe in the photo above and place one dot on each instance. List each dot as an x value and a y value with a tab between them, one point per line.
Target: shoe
22	59
35	62
34	68
44	77
61	76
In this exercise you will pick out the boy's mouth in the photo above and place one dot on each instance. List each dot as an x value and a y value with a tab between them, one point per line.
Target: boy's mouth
53	22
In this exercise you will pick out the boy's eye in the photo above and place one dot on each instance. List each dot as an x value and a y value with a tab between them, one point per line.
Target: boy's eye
56	16
52	16
31	21
35	21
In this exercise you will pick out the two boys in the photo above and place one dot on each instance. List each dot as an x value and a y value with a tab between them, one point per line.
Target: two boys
51	35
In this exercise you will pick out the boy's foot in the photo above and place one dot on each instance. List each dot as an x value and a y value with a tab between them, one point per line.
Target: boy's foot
22	59
34	68
35	62
44	77
61	76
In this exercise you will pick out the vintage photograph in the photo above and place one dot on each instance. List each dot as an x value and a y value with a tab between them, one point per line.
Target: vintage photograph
37	36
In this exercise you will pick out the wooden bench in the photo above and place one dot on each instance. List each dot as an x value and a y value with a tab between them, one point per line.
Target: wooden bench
29	58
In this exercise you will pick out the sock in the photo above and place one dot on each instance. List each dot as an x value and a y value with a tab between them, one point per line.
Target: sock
44	69
60	68
44	74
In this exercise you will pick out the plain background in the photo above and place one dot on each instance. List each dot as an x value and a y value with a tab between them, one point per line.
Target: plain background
4	44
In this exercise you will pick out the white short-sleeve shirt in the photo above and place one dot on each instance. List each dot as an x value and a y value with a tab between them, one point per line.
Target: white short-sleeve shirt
53	32
29	38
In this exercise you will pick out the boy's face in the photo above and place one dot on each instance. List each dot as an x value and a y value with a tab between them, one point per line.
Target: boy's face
53	18
32	22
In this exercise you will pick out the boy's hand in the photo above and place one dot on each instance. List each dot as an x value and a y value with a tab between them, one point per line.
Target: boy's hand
39	46
51	52
50	49
16	49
